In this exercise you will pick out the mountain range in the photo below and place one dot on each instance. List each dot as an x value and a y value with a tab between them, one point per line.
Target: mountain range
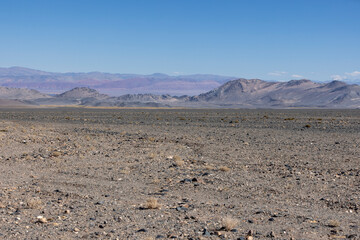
112	84
239	93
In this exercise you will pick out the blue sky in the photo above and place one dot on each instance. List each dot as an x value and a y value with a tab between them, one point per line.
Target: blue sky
267	39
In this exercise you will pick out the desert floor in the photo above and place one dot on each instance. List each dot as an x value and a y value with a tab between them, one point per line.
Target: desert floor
72	173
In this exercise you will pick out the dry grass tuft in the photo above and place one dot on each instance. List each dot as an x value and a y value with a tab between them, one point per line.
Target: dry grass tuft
152	203
179	163
334	223
156	180
177	159
229	223
149	238
209	167
34	203
224	168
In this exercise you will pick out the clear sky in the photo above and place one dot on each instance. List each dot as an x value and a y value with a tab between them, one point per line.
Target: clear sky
267	39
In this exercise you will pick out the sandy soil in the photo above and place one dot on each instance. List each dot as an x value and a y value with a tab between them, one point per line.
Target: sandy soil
181	174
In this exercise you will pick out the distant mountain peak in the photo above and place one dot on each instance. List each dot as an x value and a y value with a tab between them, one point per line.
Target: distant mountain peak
82	92
21	93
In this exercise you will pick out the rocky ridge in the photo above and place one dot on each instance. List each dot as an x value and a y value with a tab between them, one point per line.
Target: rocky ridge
241	93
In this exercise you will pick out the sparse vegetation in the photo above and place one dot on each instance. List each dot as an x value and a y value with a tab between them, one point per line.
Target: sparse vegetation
34	203
152	203
224	168
229	223
209	167
110	175
178	161
333	223
152	155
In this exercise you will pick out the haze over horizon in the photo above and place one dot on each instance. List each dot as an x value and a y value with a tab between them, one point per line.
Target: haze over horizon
271	40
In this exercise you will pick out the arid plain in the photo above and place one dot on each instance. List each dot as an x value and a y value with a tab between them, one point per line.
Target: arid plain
70	173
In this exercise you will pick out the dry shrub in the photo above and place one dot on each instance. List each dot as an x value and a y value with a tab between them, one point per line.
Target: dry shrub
179	163
229	223
34	203
156	180
209	167
224	168
152	203
149	238
333	223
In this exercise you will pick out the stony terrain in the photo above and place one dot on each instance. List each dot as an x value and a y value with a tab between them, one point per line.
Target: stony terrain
72	173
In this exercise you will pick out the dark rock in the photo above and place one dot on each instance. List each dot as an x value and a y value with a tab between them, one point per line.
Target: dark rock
186	180
347	236
142	230
181	209
270	235
159	236
206	233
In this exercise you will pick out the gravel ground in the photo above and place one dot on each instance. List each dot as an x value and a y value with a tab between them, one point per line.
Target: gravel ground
179	174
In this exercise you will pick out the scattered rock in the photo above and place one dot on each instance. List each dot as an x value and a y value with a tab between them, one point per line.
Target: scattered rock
41	219
206	233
